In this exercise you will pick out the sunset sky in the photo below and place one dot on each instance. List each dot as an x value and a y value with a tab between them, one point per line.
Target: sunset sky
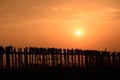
84	24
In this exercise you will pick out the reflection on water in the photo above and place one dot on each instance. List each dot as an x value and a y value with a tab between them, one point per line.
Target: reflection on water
17	60
38	59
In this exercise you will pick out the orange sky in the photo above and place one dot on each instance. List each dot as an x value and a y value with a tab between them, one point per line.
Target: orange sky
52	23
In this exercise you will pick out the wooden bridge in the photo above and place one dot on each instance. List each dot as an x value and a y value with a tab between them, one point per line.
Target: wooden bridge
32	57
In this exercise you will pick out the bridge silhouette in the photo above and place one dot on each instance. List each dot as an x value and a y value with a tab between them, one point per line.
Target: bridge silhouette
38	58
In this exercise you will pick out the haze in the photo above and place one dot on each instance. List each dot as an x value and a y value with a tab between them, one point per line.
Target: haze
52	23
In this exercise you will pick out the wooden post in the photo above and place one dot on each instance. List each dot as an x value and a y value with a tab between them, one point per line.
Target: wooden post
64	51
43	54
35	59
1	56
75	64
97	54
13	60
90	59
26	57
78	52
8	60
32	58
19	61
113	59
78	58
9	50
119	58
60	52
108	55
2	51
29	58
49	58
82	59
72	52
15	57
51	52
57	53
93	63
1	60
102	60
93	56
68	53
86	58
43	59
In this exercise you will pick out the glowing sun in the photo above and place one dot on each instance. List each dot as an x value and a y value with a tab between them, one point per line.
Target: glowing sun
78	33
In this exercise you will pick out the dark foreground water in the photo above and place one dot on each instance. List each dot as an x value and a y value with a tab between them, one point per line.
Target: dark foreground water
57	73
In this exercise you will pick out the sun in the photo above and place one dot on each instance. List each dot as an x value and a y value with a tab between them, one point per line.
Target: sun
78	33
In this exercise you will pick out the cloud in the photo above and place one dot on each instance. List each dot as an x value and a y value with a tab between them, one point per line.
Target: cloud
55	9
1	8
99	15
67	8
62	8
35	8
